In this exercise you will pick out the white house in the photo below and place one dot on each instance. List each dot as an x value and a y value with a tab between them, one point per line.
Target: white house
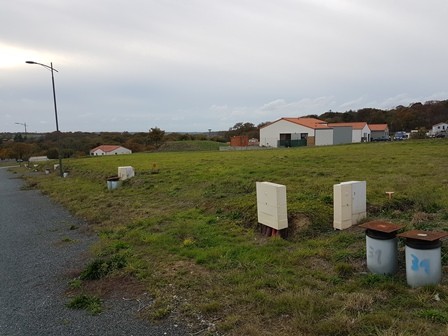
288	132
109	150
292	132
439	128
361	131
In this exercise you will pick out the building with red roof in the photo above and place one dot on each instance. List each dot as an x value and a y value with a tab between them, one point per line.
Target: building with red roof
109	150
292	132
379	132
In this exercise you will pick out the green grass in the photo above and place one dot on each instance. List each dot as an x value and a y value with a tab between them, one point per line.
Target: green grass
190	145
190	232
99	268
8	163
90	303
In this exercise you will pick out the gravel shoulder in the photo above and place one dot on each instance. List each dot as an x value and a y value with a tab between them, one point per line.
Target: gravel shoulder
38	250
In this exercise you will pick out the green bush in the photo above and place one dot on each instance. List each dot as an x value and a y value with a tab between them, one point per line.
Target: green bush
87	302
99	268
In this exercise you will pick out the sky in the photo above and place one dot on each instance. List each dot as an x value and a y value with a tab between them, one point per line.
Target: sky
200	65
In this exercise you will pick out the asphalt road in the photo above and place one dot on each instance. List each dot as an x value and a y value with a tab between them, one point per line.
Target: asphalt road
37	248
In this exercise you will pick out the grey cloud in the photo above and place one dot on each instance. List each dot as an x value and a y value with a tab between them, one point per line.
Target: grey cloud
189	65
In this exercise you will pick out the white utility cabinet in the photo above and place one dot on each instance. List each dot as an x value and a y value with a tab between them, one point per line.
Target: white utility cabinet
271	205
349	203
125	172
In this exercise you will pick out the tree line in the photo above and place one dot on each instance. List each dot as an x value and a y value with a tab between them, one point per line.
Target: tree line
78	144
416	116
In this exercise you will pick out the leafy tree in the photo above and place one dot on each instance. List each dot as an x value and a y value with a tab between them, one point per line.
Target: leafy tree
18	138
52	154
134	145
22	150
414	116
156	136
240	128
6	153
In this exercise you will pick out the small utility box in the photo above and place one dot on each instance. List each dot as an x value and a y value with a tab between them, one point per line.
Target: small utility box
113	182
381	246
423	257
271	205
349	203
125	173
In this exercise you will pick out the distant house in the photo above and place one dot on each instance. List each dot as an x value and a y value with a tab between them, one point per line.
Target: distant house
439	128
379	132
109	150
290	132
294	132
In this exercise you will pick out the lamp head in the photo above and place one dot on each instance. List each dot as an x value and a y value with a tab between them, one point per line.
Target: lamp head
30	62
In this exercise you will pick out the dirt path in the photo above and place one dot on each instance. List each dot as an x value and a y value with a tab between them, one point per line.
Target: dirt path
38	248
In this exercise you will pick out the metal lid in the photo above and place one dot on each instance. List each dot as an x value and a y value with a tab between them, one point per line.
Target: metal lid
381	226
423	235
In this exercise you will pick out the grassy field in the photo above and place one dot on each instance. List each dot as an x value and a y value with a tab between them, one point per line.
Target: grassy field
191	145
8	163
186	228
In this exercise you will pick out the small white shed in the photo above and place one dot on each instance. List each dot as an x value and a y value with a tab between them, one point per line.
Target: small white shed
38	158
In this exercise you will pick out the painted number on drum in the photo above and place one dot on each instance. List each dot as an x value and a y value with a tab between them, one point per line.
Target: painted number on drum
375	253
417	264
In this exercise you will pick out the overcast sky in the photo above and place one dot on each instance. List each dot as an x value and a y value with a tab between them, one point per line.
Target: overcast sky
194	65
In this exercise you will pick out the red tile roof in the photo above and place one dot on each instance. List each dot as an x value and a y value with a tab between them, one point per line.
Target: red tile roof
106	148
354	125
378	127
308	122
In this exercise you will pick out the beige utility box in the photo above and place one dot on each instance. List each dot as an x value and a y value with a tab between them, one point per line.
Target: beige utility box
349	203
125	173
271	205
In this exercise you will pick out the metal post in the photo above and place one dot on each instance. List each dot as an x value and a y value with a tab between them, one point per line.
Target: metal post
61	171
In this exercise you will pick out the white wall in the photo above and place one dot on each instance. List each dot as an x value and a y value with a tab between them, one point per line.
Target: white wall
358	134
120	150
366	133
98	152
269	135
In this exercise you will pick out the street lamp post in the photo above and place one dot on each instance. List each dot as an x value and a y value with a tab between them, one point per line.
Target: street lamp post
23	124
61	171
